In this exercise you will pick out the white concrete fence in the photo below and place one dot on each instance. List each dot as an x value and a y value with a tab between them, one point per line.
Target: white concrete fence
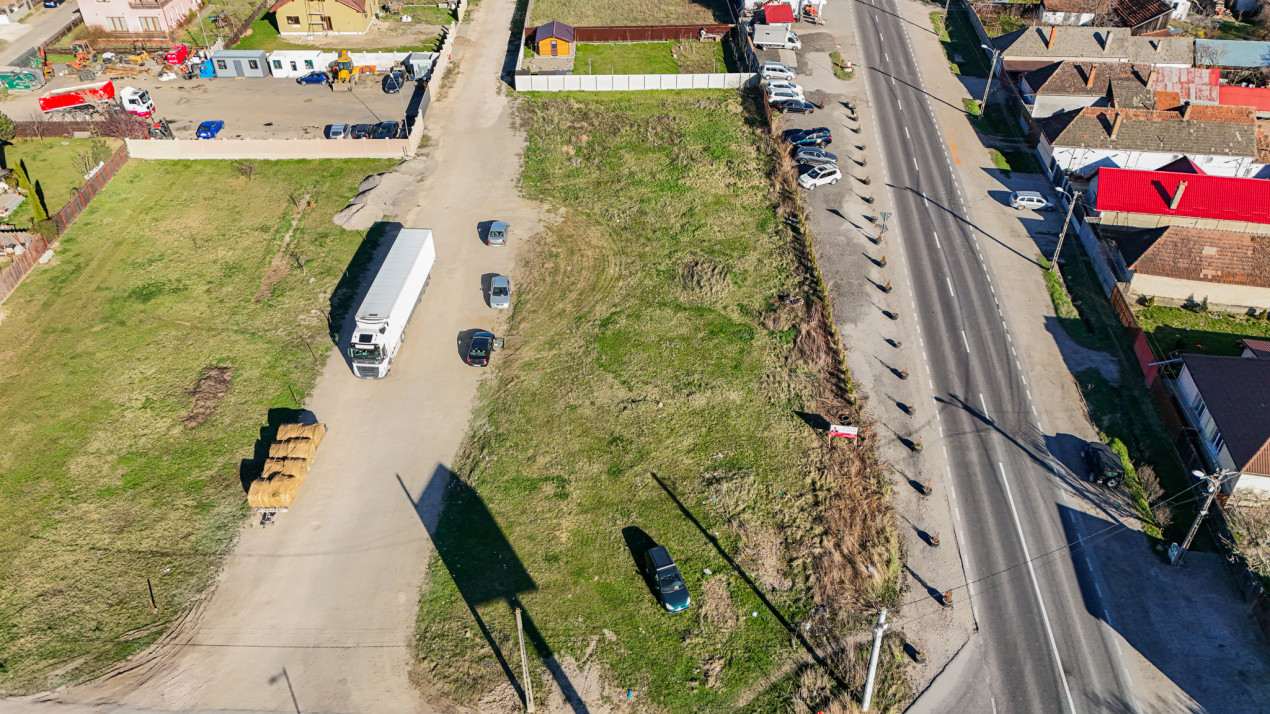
631	82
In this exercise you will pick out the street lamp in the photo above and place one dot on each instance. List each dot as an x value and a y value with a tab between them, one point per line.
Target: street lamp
1072	198
991	71
1212	484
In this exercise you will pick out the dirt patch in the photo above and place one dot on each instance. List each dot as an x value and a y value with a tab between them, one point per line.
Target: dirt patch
818	42
207	394
502	699
704	278
763	551
711	669
716	603
590	692
281	264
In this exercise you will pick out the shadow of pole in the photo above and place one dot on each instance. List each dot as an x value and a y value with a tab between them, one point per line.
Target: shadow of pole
794	631
961	219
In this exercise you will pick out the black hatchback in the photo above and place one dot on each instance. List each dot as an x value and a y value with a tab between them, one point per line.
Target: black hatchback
387	130
1105	467
666	580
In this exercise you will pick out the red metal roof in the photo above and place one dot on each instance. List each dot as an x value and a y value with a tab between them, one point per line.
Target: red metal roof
1221	198
778	13
1258	97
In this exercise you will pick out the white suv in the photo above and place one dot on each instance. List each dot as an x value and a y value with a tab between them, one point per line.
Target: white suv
773	85
775	70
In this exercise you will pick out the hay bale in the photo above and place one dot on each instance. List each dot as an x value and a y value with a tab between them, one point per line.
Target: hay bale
275	492
287	432
293	449
297	468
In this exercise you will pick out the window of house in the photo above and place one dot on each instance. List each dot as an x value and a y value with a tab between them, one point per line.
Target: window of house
220	64
308	64
149	24
293	20
253	64
118	24
1217	442
1197	405
277	64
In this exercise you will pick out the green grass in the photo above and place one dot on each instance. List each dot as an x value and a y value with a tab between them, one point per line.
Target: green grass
997	25
646	385
48	163
1068	316
264	36
1134	484
583	13
102	486
971	106
959	38
428	14
839	70
611	58
1227	28
1173	329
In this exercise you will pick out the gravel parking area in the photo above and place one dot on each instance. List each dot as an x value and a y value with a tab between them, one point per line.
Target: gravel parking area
251	108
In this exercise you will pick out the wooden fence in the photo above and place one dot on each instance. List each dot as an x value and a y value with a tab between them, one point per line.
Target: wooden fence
21	265
242	28
84	196
641	33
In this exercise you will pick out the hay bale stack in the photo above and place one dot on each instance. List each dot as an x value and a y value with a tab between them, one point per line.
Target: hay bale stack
293	449
295	468
277	491
287	432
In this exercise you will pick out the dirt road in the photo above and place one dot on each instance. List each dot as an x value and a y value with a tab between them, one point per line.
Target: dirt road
317	612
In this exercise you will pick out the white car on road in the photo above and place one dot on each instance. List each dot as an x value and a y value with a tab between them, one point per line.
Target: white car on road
819	176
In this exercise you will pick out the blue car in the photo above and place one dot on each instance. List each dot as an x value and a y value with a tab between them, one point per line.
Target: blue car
209	129
313	78
53	3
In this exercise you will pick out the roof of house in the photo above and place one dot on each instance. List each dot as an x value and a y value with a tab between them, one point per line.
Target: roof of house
1074	78
1258	97
1200	254
1080	6
558	30
778	13
1183	166
1029	45
358	5
1191	84
1131	94
1260	348
1237	394
1263	141
1220	198
1209	131
1136	12
1232	53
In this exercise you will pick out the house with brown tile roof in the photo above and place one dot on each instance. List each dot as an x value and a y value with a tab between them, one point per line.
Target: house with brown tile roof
1065	86
1220	140
1226	402
1033	47
1229	268
1139	16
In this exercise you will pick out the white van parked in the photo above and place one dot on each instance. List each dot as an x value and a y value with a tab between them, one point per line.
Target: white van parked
775	70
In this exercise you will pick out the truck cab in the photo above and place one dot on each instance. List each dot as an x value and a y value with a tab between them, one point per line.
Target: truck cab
136	101
368	352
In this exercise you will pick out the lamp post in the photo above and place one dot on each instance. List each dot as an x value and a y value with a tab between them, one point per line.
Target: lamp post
1072	198
1212	484
991	71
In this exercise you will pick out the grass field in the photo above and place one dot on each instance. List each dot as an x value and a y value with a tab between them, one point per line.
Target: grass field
264	36
580	13
48	163
1173	329
650	58
104	484
650	392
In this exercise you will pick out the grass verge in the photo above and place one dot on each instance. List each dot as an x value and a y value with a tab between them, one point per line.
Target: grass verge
104	484
1174	329
652	392
265	36
649	58
839	69
48	163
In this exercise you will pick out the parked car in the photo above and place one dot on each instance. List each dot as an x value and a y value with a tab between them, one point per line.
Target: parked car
387	130
337	131
813	156
666	580
361	131
775	85
775	70
479	349
393	82
497	233
500	292
318	77
780	95
1020	200
209	129
1105	467
819	136
53	3
819	176
795	106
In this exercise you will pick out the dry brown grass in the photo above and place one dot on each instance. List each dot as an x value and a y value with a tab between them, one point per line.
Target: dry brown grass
211	388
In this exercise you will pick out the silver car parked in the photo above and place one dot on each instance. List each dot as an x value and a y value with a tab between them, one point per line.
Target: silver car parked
813	156
500	292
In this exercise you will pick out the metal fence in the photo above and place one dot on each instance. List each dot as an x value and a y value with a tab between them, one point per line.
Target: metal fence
21	265
242	28
84	196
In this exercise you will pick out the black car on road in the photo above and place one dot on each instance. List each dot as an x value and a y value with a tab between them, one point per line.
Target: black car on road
1105	467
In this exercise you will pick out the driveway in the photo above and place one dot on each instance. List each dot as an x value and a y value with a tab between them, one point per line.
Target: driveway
317	612
40	24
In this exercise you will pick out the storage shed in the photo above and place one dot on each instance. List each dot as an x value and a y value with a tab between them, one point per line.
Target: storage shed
240	63
554	39
297	63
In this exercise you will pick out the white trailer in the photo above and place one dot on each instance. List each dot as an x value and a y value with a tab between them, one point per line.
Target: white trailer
391	300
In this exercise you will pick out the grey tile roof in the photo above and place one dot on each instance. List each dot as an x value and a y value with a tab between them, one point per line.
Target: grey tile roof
1072	78
1092	44
1162	131
1237	394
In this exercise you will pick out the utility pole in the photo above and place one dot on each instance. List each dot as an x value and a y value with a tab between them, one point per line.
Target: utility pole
1071	208
873	660
992	69
1212	485
524	665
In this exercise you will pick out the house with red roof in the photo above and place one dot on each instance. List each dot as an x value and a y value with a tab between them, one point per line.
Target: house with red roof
778	14
323	17
1182	195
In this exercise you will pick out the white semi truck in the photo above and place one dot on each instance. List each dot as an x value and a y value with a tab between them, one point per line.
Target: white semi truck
382	317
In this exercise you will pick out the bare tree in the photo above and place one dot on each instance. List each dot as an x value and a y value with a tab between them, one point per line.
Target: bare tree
246	169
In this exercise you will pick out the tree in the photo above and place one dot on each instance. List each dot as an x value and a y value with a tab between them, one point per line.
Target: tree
33	193
7	130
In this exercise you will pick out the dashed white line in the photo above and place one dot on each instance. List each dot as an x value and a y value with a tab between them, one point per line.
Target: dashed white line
915	164
888	57
982	403
1036	589
1016	354
906	134
951	294
965	342
1034	411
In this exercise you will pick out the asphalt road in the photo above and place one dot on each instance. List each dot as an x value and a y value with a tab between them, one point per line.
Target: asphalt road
1046	645
38	26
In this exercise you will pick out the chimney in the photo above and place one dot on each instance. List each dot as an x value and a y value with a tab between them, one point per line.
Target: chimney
1177	196
1049	44
1157	44
1151	78
1106	41
1115	125
1186	111
1089	82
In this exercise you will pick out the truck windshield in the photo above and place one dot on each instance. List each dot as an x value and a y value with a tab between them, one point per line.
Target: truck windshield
364	353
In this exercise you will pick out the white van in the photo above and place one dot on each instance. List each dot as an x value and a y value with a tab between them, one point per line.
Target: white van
775	70
1020	200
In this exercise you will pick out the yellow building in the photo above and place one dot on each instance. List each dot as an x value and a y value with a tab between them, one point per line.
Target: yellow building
322	17
553	39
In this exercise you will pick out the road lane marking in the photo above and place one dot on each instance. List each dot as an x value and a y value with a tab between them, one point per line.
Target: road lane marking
888	57
1034	411
915	164
898	103
1036	589
965	342
906	134
983	404
951	294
